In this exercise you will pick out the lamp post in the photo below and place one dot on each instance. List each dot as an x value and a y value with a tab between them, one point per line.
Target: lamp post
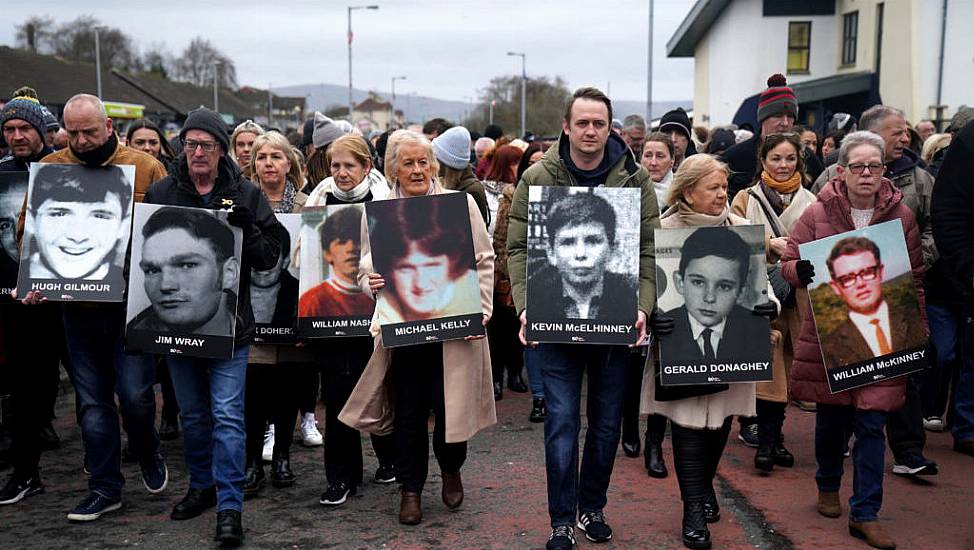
97	63
216	86
649	73
270	105
350	8
392	116
524	87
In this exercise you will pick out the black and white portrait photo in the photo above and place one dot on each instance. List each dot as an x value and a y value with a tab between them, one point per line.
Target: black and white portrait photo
274	292
13	189
583	264
423	248
332	303
77	228
184	278
715	276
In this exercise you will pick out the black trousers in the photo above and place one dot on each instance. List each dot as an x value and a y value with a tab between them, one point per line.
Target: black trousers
308	389
506	351
696	454
771	418
271	396
33	339
341	369
170	409
417	374
904	427
635	363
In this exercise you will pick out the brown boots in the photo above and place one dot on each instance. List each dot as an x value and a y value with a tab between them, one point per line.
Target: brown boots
410	509
828	504
872	532
452	490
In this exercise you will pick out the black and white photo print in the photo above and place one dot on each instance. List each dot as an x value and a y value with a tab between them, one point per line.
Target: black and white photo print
13	189
274	292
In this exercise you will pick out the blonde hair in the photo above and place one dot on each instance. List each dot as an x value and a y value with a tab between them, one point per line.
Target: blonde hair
247	126
932	145
396	143
693	169
354	145
279	142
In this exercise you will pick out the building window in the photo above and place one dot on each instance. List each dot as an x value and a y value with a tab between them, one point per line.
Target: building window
850	34
799	46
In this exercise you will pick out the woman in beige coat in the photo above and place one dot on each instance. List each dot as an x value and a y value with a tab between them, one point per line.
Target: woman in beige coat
398	387
700	425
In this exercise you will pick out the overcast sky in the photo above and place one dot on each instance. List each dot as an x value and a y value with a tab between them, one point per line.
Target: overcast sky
446	48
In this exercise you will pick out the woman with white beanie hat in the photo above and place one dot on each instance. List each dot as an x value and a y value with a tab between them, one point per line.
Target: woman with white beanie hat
452	150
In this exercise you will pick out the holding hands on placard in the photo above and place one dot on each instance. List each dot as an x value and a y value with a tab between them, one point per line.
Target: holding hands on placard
767	309
805	271
241	216
660	323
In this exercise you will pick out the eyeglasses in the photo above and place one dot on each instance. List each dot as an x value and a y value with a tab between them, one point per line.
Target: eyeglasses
867	274
207	146
859	168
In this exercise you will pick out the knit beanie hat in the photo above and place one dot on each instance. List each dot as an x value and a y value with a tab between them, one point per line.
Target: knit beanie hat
325	132
675	120
777	99
308	132
208	121
493	131
25	108
452	147
50	121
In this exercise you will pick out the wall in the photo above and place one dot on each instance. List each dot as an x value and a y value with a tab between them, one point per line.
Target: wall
958	76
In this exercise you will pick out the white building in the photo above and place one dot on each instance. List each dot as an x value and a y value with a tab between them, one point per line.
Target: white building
839	55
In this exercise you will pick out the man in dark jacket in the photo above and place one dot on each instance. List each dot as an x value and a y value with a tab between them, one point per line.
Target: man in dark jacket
953	196
210	392
777	112
676	124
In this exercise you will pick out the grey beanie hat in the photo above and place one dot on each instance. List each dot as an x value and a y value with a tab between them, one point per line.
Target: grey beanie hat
210	122
326	131
452	147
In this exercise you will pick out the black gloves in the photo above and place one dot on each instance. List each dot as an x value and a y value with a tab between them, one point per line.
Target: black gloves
767	309
241	217
805	271
660	324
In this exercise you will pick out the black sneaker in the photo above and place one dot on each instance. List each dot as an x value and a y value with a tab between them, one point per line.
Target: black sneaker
384	475
562	538
93	507
155	475
18	489
914	464
336	494
538	412
749	434
594	526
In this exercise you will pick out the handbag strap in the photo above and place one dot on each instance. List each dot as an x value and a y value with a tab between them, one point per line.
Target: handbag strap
767	213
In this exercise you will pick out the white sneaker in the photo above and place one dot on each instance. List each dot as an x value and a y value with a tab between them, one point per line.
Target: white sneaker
268	453
933	424
310	436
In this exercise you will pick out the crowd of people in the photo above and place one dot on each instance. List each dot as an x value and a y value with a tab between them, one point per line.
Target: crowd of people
235	415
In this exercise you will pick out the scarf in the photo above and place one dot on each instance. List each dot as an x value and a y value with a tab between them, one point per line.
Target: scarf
662	188
286	205
98	156
784	187
695	219
354	194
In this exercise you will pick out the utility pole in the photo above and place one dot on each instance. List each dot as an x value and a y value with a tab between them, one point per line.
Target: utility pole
392	116
351	104
270	105
524	88
216	86
97	63
649	72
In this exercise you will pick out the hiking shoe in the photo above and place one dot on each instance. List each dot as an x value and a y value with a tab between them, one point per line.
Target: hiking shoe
594	526
914	464
562	538
336	495
93	507
384	475
18	489
155	475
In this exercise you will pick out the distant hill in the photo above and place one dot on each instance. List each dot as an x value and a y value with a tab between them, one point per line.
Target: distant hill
421	108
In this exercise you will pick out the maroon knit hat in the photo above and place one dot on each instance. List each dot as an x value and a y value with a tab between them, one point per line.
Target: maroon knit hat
778	98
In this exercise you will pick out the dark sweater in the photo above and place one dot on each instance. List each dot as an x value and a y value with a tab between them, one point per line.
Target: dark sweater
951	207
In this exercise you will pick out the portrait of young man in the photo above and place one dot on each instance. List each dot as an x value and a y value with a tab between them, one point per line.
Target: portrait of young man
13	188
190	274
873	326
78	222
274	292
711	326
339	295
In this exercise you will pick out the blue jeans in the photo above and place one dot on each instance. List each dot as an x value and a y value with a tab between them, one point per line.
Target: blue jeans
562	367
945	325
100	369
533	366
210	394
832	423
962	421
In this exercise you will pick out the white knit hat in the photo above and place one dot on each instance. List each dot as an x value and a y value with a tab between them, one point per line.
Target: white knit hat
452	147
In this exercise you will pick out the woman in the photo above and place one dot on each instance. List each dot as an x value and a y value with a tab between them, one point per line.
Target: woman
657	159
830	146
352	181
505	347
242	144
858	197
776	201
275	371
144	135
399	386
700	425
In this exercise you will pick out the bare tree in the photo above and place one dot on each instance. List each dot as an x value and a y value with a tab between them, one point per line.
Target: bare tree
36	34
158	61
546	104
198	61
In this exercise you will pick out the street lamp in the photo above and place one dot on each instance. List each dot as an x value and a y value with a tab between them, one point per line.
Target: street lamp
350	8
649	72
216	85
393	115
97	62
524	87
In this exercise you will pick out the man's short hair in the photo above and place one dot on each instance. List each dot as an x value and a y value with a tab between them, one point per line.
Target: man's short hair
872	117
69	183
571	209
850	245
342	226
633	121
725	244
436	126
591	93
199	225
434	231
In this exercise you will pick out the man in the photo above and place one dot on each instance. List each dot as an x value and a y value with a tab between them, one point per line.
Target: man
777	112
676	124
634	133
210	392
925	128
190	274
32	336
339	295
79	218
586	155
904	168
954	235
710	326
873	327
435	127
274	292
581	230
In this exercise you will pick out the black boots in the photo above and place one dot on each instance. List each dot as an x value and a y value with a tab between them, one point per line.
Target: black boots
229	530
194	503
281	474
498	391
695	531
538	411
254	478
515	383
655	428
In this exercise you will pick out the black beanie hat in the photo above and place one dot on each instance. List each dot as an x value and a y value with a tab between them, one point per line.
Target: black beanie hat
307	137
493	131
208	121
675	120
